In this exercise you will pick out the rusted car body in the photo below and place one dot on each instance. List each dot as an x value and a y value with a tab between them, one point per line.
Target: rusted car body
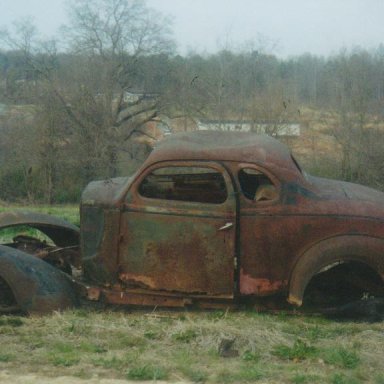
212	218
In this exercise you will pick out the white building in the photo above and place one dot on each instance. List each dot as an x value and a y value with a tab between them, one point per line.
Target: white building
270	128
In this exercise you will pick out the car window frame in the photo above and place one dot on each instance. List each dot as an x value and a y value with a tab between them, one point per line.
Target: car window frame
134	196
251	202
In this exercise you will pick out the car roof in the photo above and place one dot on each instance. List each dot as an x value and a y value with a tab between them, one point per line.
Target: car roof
223	146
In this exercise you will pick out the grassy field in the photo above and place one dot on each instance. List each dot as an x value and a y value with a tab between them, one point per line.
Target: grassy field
188	346
181	345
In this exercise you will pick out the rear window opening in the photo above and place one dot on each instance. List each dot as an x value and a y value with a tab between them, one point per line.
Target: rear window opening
256	186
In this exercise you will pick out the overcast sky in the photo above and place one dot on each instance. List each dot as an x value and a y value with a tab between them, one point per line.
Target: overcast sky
292	27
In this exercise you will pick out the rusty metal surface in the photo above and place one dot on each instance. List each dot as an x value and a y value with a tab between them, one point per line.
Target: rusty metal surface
60	231
274	235
119	295
36	286
178	246
104	192
160	245
100	238
224	146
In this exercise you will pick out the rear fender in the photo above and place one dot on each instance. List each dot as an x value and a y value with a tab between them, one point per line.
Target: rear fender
37	287
364	249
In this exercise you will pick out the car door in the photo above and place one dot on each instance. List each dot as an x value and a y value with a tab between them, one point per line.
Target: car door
179	228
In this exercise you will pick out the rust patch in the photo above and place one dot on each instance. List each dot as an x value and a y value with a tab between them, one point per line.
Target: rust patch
93	293
260	286
137	280
142	298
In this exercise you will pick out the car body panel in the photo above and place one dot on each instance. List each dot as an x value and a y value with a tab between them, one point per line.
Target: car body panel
179	246
60	231
166	246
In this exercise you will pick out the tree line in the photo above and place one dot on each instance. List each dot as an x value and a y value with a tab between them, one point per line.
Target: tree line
68	119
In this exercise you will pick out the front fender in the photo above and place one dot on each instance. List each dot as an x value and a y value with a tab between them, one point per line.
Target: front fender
37	286
60	231
365	249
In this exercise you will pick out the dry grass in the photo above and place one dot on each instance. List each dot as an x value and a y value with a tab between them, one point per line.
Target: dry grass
182	345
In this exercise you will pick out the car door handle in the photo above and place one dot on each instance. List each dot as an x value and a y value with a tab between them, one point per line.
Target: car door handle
225	226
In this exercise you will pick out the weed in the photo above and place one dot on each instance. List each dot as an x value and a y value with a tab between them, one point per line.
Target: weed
65	360
216	315
92	348
5	357
300	378
316	333
342	357
110	363
185	336
146	372
11	321
250	356
151	335
62	347
124	340
245	374
299	351
197	376
82	313
339	378
15	321
64	354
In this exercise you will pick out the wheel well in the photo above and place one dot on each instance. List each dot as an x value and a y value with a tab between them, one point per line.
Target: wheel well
342	282
354	250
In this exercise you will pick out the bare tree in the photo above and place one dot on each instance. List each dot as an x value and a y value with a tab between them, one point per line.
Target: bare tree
104	40
110	36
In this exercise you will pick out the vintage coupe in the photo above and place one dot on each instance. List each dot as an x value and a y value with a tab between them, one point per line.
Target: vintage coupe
210	219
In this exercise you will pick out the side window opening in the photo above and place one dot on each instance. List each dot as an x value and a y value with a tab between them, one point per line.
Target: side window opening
193	184
256	186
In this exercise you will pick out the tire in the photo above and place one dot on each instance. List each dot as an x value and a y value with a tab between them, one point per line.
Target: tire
8	303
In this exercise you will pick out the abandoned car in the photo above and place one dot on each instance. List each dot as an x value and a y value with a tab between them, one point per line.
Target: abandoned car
210	219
